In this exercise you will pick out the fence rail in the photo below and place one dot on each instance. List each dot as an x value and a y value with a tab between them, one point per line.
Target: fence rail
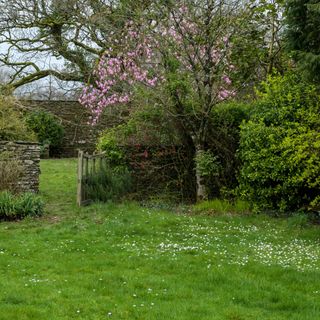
88	166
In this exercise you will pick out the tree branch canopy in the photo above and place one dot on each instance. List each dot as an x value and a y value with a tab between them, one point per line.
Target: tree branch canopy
74	32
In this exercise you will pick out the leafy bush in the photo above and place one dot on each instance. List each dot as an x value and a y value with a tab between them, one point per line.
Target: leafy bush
143	143
207	164
46	127
147	126
10	172
223	142
218	164
280	147
108	184
16	207
12	123
108	143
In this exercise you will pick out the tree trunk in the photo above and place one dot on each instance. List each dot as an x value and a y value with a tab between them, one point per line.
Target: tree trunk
272	43
201	187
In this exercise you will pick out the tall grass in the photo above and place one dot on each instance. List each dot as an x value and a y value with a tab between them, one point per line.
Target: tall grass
218	206
107	184
20	206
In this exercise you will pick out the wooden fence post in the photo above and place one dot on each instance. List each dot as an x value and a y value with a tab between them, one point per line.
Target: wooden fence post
86	171
80	176
93	165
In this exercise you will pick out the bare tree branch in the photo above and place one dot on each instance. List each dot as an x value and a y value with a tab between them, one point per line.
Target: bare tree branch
74	31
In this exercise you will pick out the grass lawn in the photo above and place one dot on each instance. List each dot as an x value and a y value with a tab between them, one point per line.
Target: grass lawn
128	262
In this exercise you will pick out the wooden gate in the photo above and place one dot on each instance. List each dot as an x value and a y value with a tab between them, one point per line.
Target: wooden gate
88	166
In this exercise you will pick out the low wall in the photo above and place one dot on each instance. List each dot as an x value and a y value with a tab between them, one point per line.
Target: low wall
28	154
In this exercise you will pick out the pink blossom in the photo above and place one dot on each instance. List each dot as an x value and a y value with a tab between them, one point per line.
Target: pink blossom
226	79
140	60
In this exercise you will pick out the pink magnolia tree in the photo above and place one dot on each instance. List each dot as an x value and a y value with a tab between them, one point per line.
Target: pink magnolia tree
127	62
183	50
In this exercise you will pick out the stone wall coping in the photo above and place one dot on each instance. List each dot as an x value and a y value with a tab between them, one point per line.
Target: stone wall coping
50	101
32	143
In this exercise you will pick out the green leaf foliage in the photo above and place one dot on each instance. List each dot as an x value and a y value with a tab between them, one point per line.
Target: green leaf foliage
109	183
20	206
12	123
207	164
280	147
223	142
302	35
147	125
46	127
108	144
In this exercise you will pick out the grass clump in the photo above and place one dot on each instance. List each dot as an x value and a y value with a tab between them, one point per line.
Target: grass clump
14	207
218	206
299	219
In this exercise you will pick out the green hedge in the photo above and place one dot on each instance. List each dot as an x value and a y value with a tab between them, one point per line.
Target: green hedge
280	147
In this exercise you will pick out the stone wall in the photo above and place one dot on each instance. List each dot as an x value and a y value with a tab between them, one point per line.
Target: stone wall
28	154
74	118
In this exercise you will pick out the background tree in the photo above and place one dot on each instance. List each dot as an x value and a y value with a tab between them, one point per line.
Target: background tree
303	35
72	34
64	39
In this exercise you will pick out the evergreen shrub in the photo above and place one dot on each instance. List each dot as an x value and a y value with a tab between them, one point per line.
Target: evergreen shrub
47	128
222	144
280	147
